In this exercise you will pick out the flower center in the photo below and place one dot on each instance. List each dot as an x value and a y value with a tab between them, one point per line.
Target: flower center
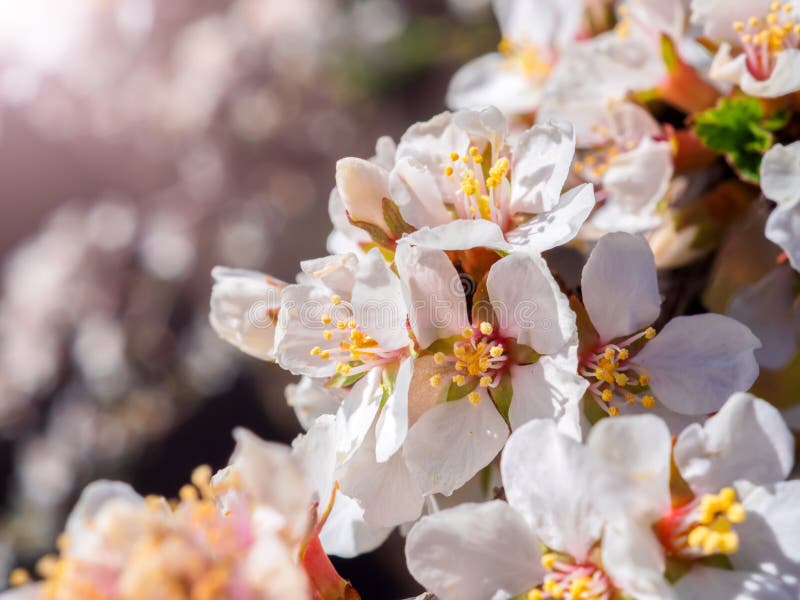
763	39
524	57
480	356
703	527
354	350
616	379
479	195
596	163
570	580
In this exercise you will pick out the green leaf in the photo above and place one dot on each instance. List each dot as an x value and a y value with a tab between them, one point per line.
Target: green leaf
391	214
502	395
738	129
669	53
457	392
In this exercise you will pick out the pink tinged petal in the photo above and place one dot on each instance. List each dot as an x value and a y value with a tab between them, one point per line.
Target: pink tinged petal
716	16
431	142
767	308
784	79
559	225
780	173
392	426
386	491
634	559
769	541
453	441
474	552
414	189
637	449
783	229
485	80
25	592
541	162
696	362
620	286
547	390
362	186
529	304
378	302
746	440
708	583
541	22
434	295
345	236
460	235
487	123
346	533
336	272
552	481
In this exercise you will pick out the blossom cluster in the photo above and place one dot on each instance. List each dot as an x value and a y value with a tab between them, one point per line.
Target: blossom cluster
505	353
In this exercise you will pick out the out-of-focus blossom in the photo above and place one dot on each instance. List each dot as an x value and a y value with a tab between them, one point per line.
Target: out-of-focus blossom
780	182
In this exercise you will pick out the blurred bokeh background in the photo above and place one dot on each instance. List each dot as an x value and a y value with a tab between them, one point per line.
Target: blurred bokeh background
142	142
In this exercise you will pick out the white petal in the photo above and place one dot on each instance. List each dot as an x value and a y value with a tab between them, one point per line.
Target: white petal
336	272
392	425
696	362
310	399
638	449
362	186
634	559
316	451
378	302
640	177
541	161
767	308
540	22
528	303
415	190
716	16
784	79
431	142
707	583
769	541
613	217
386	491
243	307
484	123
551	480
474	551
747	439
34	591
487	80
358	411
547	390
783	229
780	173
434	294
559	225
346	534
453	441
460	235
345	236
620	287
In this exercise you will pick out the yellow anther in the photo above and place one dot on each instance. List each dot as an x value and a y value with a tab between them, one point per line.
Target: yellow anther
316	351
607	395
496	351
448	170
325	355
648	401
649	333
466	333
201	476
535	595
459	379
473	150
454	156
775	6
738	26
579	586
326	319
351	323
336	299
341	325
485	381
474	398
188	493
736	513
644	379
623	354
19	577
578	166
609	353
435	380
787	8
630	398
343	368
620	378
477	159
697	536
549	560
727	496
439	358
728	543
753	21
460	365
613	411
327	334
772	18
600	373
551	587
486	328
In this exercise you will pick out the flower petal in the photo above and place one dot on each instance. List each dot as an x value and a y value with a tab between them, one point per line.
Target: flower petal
528	303
620	287
434	295
559	225
780	173
358	409
560	509
707	583
541	161
474	551
415	190
392	426
362	186
746	440
460	235
541	22
547	390
378	303
783	229
345	532
453	441
310	399
639	178
696	362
